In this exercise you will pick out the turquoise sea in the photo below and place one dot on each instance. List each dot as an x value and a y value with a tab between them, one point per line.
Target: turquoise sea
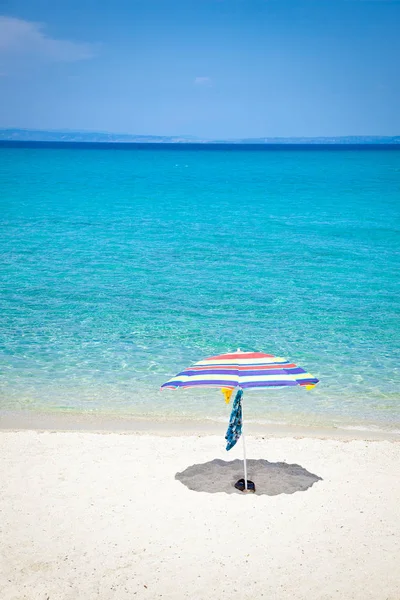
121	265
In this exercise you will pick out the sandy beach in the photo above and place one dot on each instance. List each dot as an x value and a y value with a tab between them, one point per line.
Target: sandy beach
110	515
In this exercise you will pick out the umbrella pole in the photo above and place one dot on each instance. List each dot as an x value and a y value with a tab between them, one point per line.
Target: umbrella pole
244	453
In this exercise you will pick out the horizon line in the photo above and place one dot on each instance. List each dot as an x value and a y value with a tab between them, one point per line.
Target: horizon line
195	138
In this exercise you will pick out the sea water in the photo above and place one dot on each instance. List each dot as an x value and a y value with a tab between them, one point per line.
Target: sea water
122	265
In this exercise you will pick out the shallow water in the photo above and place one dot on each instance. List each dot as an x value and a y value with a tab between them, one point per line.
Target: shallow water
122	266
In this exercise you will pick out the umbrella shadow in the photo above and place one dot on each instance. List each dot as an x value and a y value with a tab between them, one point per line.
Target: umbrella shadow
270	479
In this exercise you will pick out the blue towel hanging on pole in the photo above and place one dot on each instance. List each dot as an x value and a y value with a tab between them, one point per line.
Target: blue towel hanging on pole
235	422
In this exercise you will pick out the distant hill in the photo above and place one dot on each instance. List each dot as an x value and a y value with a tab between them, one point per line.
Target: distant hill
350	139
32	135
38	135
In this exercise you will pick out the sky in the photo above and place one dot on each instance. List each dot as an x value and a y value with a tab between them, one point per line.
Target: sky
214	69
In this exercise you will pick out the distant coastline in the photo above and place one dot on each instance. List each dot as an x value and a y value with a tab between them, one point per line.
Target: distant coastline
32	135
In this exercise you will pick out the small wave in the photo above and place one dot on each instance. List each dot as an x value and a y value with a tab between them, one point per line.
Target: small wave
372	428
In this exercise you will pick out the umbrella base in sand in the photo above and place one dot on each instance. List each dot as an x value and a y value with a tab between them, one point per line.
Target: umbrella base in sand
240	485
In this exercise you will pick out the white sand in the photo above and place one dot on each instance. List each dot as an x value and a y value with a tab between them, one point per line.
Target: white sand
87	515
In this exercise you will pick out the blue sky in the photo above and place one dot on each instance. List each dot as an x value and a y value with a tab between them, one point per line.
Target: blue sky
208	68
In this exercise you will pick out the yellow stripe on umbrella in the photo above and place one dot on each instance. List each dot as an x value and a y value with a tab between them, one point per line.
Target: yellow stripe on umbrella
227	392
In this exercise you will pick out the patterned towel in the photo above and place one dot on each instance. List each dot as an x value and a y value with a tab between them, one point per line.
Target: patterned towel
235	422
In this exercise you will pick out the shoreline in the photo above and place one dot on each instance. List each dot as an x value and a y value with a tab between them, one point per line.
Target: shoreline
99	423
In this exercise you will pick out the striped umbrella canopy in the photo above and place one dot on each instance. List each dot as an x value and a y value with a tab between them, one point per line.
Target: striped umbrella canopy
241	370
244	370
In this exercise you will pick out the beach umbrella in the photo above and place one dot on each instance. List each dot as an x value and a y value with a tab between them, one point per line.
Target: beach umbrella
241	371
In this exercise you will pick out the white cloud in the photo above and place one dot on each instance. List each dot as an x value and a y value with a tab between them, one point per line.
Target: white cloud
202	81
20	39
